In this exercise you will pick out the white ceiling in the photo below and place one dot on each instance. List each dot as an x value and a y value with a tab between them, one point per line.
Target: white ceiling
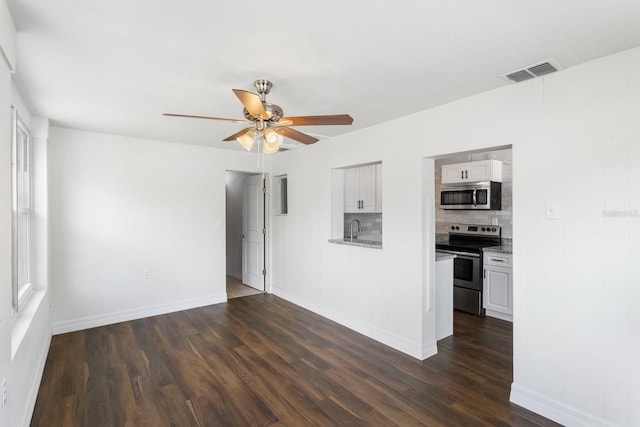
115	66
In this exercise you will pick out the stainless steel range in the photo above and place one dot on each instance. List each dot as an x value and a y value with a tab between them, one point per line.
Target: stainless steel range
466	241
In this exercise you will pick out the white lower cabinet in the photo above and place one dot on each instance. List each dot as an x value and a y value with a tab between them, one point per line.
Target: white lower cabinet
498	285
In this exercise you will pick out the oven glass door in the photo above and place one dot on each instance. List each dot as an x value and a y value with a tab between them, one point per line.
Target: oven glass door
466	272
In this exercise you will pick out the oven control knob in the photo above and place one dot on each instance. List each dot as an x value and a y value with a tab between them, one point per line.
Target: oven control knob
453	227
483	229
493	229
457	228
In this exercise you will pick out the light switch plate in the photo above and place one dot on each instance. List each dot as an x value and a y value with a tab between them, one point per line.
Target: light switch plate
552	210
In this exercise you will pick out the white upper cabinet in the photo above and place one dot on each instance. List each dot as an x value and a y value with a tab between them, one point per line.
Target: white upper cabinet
351	190
360	189
485	170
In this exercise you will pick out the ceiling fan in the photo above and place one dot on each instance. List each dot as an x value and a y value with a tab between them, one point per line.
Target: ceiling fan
267	121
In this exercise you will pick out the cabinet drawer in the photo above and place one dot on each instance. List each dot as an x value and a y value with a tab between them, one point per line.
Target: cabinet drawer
502	260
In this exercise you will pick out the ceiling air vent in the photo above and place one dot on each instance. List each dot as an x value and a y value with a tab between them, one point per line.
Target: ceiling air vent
536	70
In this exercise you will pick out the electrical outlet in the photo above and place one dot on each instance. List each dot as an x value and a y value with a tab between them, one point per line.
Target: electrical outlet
3	393
147	274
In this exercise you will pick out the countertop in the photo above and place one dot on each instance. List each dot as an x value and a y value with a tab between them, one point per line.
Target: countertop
358	242
441	256
505	248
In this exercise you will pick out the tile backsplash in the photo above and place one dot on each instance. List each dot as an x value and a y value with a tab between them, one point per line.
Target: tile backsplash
370	223
504	217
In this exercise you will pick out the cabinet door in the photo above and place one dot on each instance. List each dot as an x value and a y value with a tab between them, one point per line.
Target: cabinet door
351	191
452	174
497	290
367	181
485	170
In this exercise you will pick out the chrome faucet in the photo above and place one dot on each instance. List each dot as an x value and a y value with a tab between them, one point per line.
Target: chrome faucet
358	230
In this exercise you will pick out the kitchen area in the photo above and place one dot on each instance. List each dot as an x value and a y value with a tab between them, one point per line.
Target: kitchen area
474	230
357	205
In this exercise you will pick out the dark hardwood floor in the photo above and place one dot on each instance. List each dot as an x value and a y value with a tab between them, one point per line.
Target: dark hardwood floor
260	360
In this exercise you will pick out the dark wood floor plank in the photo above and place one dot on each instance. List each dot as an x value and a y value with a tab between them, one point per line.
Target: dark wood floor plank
262	361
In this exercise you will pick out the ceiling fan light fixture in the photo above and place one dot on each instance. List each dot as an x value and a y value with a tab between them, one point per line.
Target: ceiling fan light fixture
247	139
271	142
270	136
270	148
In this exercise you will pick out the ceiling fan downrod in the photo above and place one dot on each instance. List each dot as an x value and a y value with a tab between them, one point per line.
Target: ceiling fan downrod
263	87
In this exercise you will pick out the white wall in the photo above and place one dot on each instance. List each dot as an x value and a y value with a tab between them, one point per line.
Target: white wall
5	222
375	291
577	279
24	339
575	143
122	206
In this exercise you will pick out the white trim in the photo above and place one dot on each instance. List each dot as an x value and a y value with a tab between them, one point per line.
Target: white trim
412	349
235	274
24	294
429	349
22	321
35	385
72	325
498	315
553	409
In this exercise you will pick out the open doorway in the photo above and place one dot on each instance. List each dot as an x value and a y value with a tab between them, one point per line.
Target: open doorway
473	239
245	234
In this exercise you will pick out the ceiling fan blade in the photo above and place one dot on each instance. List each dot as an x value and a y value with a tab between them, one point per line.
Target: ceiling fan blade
281	122
295	135
205	117
336	119
237	134
252	103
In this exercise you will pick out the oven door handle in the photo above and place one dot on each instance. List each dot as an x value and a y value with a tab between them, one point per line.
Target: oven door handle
470	254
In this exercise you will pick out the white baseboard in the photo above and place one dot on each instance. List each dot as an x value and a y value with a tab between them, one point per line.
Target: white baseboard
35	385
137	313
235	274
498	315
412	349
429	349
552	409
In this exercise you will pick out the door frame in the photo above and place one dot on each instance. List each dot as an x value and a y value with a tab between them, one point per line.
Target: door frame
266	224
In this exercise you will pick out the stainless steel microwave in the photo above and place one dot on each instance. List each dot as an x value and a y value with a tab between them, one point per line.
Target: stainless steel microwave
478	195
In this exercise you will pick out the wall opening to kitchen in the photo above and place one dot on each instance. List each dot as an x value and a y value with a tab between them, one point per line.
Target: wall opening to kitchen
437	223
356	208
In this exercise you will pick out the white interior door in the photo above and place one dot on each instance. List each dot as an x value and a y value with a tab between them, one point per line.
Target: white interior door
253	232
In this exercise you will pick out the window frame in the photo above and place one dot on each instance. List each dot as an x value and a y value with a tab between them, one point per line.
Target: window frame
21	204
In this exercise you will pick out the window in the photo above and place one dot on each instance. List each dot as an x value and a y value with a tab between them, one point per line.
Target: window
280	196
21	212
